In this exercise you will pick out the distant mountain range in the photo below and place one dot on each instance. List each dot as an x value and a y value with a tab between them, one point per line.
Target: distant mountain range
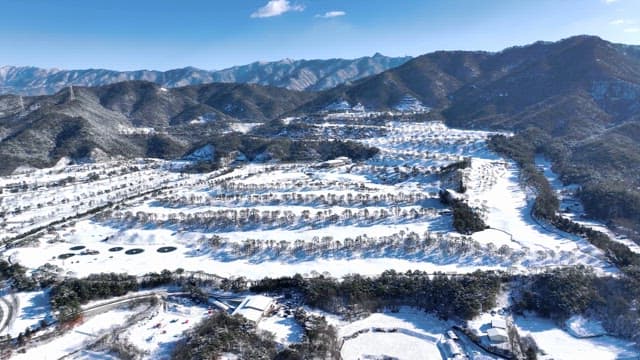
312	75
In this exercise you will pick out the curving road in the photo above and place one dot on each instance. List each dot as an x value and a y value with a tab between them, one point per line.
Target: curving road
7	313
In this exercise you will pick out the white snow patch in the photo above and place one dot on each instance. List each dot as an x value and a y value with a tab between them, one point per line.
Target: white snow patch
580	327
558	344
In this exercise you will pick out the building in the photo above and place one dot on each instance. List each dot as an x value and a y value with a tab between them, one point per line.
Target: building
451	349
337	162
497	335
255	307
499	323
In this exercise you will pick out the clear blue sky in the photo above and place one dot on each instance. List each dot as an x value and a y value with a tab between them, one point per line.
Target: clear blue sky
214	34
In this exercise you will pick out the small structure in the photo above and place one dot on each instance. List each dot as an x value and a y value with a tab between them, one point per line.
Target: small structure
452	349
497	335
499	323
337	162
255	307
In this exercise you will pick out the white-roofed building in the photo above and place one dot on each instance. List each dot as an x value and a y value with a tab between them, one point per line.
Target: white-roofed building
497	335
499	323
254	307
451	349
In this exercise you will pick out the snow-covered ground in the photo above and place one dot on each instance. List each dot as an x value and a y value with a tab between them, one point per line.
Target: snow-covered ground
581	327
412	334
297	218
560	345
33	307
79	337
286	329
157	334
273	220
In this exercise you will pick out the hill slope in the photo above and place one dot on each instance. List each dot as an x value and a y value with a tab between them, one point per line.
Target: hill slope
129	119
581	94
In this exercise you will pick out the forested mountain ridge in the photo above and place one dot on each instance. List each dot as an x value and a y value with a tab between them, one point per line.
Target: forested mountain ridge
312	75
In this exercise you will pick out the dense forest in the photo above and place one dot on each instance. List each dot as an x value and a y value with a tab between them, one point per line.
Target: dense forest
466	220
17	274
229	147
222	333
461	296
560	293
67	296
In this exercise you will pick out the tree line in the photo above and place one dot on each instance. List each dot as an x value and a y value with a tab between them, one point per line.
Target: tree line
460	296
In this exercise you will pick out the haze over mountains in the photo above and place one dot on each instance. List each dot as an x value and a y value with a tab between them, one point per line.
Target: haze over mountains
577	98
313	75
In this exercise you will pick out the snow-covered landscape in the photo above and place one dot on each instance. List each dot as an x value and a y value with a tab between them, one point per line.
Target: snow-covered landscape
256	220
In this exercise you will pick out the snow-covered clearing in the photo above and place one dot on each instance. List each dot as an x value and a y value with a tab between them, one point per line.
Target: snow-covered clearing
78	337
581	327
278	219
33	308
560	345
406	334
286	329
157	334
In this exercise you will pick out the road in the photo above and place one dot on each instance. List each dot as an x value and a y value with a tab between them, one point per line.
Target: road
7	312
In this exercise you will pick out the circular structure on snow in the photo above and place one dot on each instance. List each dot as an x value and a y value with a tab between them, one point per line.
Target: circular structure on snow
78	247
117	248
166	249
65	256
134	251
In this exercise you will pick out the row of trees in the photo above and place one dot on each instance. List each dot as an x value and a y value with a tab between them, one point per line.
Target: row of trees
410	244
224	218
257	148
295	198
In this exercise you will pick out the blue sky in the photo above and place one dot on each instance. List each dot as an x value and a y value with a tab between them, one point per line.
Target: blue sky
214	34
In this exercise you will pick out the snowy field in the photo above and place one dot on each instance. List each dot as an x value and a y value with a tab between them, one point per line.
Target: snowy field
77	338
560	345
267	219
272	220
33	307
406	334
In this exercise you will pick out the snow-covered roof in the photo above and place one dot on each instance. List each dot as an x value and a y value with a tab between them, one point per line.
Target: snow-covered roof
258	302
250	314
499	323
496	334
253	307
451	348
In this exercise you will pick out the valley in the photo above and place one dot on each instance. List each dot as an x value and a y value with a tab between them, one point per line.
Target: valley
291	218
438	204
246	221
